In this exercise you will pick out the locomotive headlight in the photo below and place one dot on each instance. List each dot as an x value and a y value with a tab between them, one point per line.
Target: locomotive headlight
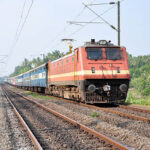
106	88
123	87
91	88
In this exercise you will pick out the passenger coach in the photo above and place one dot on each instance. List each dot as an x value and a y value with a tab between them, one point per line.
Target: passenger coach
34	80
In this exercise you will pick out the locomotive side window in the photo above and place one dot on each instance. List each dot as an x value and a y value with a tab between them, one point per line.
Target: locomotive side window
94	53
72	59
113	53
62	62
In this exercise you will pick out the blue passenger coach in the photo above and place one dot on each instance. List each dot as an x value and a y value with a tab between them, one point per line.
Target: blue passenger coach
34	80
38	76
19	80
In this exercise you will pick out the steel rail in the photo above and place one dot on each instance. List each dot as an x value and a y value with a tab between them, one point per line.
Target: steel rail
134	117
117	113
31	135
135	108
110	111
114	143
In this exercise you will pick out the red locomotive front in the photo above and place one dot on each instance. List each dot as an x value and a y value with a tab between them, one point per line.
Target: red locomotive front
94	73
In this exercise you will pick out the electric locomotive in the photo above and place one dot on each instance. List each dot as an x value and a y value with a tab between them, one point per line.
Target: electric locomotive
96	72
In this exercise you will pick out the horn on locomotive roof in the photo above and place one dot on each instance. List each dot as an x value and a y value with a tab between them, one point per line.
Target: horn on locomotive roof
92	41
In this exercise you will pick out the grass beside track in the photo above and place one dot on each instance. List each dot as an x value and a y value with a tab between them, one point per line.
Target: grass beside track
135	98
36	95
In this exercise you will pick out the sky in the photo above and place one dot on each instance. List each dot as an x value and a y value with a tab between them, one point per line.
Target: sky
47	23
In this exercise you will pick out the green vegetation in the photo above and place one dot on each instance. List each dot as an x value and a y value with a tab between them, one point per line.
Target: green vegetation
140	74
135	98
36	95
139	92
94	115
27	65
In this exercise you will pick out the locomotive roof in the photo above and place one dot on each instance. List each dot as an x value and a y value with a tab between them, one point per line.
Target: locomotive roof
63	57
100	43
101	46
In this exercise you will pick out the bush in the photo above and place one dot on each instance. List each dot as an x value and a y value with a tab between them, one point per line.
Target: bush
94	114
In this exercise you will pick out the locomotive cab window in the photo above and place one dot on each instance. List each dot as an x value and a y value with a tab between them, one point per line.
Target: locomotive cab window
94	53
113	53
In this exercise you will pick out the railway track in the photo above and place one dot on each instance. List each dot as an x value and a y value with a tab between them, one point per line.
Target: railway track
135	109
126	114
133	115
52	130
143	114
24	124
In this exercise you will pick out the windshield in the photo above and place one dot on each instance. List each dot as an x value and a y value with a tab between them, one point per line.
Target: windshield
94	53
113	53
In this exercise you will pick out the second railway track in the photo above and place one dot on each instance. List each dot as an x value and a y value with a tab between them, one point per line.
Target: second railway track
134	113
130	112
55	131
122	110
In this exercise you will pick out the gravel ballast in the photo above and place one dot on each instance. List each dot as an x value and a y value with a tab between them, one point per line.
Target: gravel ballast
12	134
135	134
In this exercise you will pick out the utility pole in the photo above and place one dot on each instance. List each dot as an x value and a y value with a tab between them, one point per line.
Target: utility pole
118	3
117	29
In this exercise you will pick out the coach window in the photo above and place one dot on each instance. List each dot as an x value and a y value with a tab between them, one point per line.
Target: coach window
113	53
43	75
67	60
58	64
62	62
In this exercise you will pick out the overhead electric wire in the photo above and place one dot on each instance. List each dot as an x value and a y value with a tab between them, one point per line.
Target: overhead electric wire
77	16
94	19
21	16
100	17
21	29
25	19
65	28
80	13
58	43
91	21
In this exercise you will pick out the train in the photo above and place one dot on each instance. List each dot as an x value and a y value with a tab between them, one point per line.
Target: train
96	72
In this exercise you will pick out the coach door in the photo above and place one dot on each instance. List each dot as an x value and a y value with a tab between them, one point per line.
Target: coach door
47	66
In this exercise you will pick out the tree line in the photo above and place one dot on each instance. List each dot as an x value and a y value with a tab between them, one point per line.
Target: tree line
140	73
26	65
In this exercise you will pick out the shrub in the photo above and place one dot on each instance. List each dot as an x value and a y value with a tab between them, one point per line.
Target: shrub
94	114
